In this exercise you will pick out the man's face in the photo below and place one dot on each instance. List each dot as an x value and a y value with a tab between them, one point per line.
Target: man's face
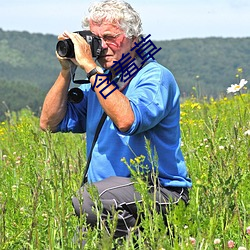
114	43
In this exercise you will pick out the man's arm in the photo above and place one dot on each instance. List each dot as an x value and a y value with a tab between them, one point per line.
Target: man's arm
116	105
55	103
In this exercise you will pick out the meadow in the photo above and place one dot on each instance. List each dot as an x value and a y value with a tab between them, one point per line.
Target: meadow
40	172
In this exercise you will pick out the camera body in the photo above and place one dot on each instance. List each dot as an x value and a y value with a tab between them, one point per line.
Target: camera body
65	48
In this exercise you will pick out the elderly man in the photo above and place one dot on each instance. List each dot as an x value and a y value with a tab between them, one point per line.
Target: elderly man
139	107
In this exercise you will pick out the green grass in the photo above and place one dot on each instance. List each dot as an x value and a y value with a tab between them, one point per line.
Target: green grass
40	172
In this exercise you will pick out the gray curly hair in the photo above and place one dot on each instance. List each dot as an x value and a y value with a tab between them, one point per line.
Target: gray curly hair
118	12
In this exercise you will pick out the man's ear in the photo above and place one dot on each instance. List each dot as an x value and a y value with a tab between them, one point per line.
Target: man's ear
134	40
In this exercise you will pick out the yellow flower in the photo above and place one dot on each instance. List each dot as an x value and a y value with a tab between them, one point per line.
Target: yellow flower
138	160
132	162
195	105
240	70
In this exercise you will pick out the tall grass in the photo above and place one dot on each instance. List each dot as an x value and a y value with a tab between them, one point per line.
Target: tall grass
40	172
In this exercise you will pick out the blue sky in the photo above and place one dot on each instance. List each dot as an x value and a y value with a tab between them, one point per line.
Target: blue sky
163	19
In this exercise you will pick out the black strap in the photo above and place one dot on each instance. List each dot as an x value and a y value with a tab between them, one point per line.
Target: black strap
98	129
97	132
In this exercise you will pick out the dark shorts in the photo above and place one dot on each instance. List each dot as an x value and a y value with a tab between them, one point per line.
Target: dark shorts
119	194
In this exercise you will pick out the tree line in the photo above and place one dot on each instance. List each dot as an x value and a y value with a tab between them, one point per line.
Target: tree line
202	67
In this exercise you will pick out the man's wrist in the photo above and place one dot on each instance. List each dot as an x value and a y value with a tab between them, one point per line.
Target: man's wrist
65	73
96	70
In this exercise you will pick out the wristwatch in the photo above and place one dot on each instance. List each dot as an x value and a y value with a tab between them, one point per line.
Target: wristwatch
96	70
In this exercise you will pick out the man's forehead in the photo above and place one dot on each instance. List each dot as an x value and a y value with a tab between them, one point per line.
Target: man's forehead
104	26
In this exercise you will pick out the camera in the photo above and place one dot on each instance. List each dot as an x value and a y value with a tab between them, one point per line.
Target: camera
65	48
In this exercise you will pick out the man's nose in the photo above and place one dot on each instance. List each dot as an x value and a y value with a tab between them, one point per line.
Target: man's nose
104	44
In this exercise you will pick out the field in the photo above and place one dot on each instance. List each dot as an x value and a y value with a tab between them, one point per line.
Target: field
40	172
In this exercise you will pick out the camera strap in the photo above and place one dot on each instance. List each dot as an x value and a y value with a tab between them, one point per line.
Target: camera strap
98	129
97	132
73	69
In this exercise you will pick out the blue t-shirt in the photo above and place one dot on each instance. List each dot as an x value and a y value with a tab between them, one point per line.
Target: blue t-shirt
154	97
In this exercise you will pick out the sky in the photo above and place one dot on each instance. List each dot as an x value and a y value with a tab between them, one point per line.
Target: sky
163	19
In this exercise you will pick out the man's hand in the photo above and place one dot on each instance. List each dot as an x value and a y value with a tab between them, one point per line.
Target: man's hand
83	54
66	63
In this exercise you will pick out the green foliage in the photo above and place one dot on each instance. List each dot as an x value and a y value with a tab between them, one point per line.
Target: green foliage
14	95
40	172
28	68
28	58
208	62
36	184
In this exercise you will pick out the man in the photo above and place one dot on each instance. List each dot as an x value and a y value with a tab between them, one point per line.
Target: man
143	107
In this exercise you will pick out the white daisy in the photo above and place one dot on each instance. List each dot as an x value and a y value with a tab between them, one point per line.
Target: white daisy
237	87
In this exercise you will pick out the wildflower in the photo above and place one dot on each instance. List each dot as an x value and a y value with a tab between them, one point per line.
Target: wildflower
230	244
216	241
242	248
137	160
237	87
132	162
192	240
248	230
221	147
71	167
195	106
240	70
45	216
198	182
22	210
247	133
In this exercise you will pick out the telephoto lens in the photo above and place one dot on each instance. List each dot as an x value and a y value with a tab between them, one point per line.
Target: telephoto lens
65	48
